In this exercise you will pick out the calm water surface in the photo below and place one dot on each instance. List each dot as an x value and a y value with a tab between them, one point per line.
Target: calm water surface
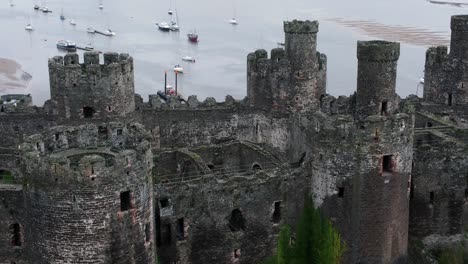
220	55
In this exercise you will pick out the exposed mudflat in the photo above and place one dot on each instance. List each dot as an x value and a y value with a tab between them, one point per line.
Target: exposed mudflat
404	34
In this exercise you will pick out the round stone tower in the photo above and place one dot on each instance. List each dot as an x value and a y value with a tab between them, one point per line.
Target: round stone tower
91	89
88	195
377	69
301	51
459	38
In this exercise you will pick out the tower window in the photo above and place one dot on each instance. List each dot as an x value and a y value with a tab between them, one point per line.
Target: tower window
180	229
431	198
387	163
384	108
16	238
449	101
88	112
276	212
147	232
119	132
341	192
56	136
256	167
125	201
164	202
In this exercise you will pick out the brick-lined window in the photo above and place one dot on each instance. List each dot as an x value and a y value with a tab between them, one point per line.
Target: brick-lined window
387	163
125	201
384	108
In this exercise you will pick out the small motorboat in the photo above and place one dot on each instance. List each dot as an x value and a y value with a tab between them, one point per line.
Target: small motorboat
36	7
163	26
29	27
89	47
188	58
178	69
169	12
233	21
101	6
421	80
90	30
281	44
66	45
109	32
45	9
72	22
192	37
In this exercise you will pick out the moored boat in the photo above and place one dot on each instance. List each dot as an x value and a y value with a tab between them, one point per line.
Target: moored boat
192	37
188	58
178	69
29	27
90	30
36	7
163	26
66	45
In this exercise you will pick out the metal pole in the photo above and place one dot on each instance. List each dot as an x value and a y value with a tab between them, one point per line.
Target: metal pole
176	83
165	82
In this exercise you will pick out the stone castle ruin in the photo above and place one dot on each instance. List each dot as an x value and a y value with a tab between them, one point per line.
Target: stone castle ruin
98	175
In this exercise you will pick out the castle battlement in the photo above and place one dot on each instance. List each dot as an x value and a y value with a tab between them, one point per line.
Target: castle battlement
92	58
301	27
436	55
378	50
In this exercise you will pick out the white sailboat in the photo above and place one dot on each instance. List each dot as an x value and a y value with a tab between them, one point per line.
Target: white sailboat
233	20
175	24
188	58
29	26
72	22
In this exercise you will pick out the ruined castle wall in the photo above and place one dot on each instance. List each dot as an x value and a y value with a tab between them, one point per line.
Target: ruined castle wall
14	127
91	89
438	186
181	128
89	199
226	221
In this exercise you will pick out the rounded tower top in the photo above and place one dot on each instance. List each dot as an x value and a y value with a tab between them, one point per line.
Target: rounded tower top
378	50
459	23
301	27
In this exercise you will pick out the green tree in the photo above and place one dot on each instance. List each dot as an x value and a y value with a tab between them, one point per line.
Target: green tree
317	241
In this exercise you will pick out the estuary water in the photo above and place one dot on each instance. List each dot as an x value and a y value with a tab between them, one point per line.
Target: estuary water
220	66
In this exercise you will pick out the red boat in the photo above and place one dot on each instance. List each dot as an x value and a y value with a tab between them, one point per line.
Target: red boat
192	37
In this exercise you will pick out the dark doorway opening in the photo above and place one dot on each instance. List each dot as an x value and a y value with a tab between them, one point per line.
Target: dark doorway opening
88	112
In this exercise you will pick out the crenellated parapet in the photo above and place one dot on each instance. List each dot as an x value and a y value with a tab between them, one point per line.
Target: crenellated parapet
94	88
192	103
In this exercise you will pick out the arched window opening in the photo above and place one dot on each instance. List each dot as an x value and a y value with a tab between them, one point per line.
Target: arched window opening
256	167
88	112
236	221
276	217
